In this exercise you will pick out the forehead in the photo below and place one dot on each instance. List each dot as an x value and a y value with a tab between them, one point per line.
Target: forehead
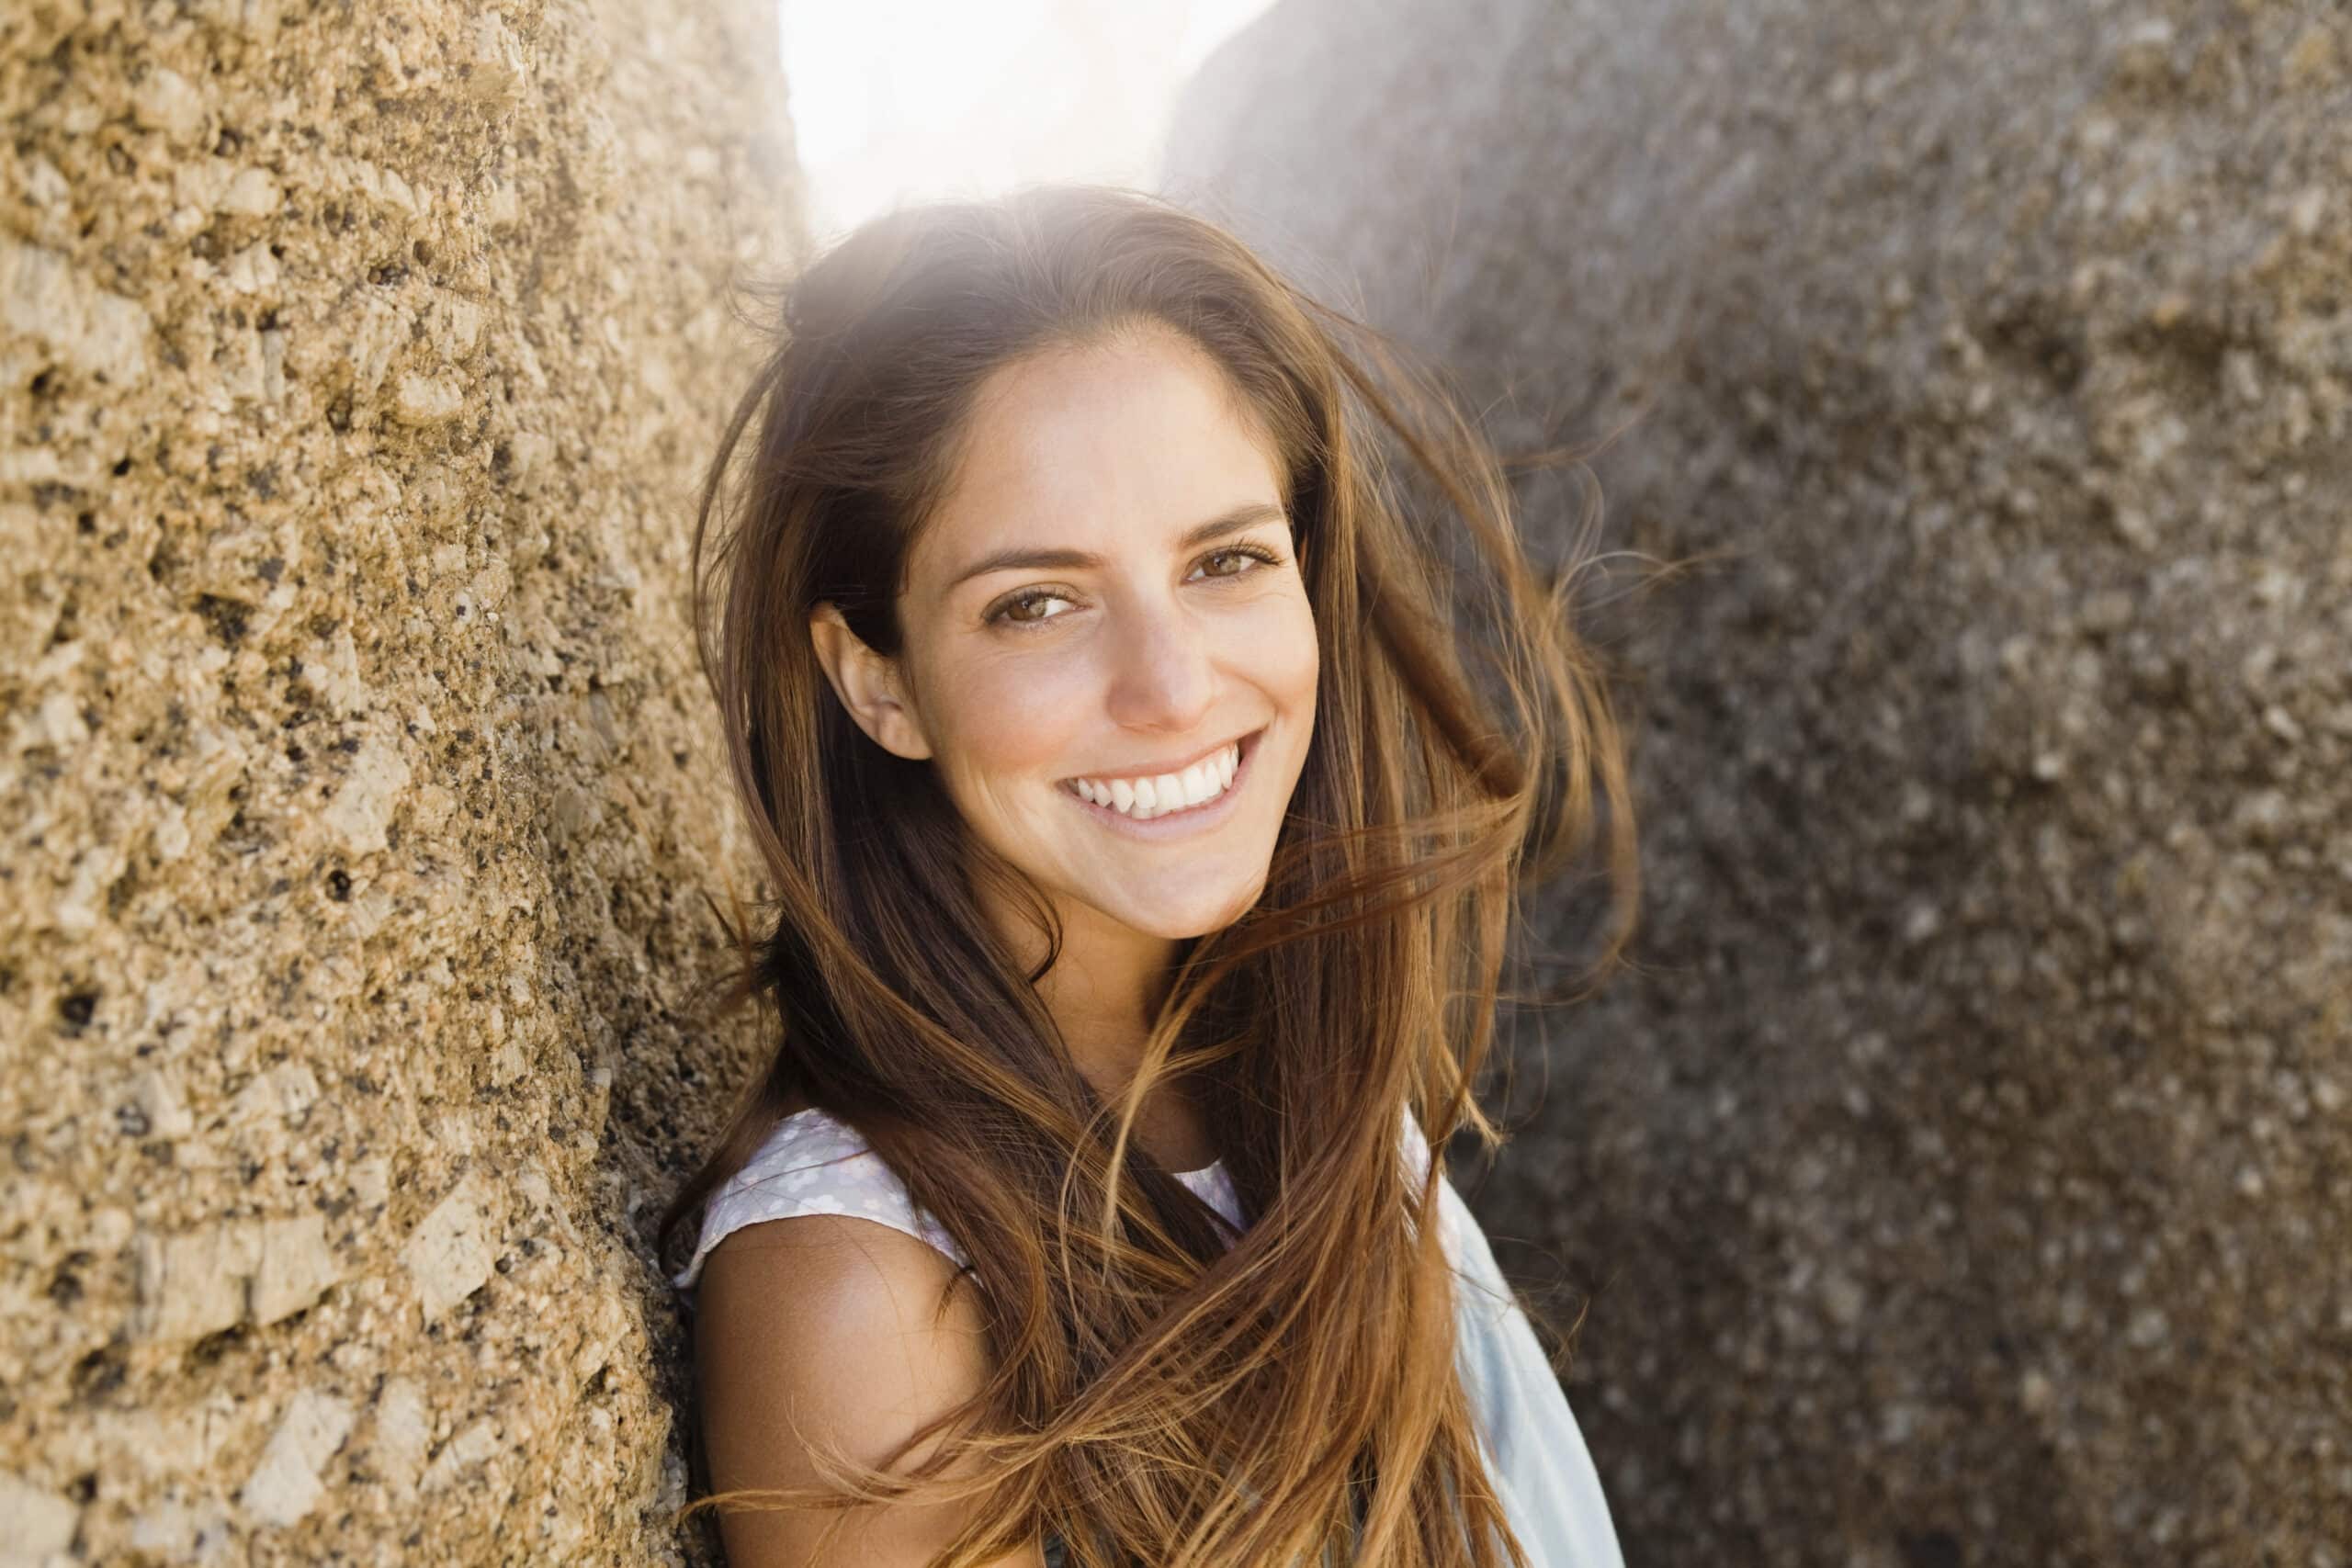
1122	444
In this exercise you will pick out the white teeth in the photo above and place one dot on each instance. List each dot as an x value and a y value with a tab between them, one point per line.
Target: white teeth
1147	798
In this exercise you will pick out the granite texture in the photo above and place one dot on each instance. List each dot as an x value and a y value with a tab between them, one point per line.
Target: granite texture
1965	1175
356	790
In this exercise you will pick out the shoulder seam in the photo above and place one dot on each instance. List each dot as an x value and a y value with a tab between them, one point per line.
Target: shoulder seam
855	1188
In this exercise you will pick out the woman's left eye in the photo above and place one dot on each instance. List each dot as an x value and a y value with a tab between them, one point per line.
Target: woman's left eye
1250	552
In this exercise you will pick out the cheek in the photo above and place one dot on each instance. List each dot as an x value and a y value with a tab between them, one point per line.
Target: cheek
1284	653
1012	716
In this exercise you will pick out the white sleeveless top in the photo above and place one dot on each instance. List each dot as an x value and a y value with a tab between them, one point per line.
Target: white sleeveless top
1535	1454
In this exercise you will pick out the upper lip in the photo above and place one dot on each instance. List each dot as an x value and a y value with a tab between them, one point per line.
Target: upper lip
1154	770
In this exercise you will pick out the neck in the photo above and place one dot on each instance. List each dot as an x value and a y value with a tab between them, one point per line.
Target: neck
1104	989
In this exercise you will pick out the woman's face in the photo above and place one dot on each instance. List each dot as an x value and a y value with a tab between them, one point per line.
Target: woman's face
1107	611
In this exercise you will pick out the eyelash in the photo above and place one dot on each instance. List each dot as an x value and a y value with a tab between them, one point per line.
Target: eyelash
1001	615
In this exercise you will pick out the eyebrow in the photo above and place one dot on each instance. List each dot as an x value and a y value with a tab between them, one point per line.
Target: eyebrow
1249	514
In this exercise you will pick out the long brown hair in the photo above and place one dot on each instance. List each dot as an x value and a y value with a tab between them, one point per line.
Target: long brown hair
1164	1392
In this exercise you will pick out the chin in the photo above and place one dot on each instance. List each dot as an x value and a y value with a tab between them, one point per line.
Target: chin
1193	917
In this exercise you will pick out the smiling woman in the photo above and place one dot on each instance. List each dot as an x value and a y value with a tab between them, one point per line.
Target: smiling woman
1136	824
1098	461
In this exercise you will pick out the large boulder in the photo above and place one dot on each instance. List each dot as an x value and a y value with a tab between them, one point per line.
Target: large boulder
1965	1173
354	787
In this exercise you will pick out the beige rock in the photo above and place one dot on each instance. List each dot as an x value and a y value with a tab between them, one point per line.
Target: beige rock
285	1486
295	1268
287	307
168	102
33	1522
194	1283
167	1530
363	808
461	1454
157	1096
46	298
251	193
427	399
450	1252
403	1435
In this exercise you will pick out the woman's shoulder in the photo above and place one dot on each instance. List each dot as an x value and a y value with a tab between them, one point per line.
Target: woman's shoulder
811	1164
826	1333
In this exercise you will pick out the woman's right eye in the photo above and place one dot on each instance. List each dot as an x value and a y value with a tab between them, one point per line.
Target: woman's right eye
1004	613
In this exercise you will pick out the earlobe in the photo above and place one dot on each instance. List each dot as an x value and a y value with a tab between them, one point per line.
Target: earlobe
870	686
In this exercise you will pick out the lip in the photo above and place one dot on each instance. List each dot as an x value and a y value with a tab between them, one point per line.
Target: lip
1153	770
1178	824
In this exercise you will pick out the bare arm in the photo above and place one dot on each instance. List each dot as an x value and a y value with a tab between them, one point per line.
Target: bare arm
826	1327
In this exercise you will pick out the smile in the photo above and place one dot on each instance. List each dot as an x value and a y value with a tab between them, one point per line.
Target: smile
1196	795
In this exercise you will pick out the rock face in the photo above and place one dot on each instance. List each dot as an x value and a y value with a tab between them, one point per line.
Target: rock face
1967	1176
355	792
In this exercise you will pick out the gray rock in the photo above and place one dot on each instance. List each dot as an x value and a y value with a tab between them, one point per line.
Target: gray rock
1951	1180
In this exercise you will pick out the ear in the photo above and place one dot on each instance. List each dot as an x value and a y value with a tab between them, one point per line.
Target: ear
870	686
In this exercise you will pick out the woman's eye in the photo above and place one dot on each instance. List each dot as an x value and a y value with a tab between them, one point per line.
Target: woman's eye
1009	612
1021	609
1245	552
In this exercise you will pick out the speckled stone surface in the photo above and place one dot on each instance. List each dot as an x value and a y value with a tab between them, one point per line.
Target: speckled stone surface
356	784
1967	1176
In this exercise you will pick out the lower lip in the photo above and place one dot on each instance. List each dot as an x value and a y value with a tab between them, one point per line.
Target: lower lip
1176	824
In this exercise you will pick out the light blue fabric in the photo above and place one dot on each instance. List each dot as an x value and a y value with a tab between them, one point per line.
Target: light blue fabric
1534	1451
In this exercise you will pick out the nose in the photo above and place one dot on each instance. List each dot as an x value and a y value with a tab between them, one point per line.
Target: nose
1163	672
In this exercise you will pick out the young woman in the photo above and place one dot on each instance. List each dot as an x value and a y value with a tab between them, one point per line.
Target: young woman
1144	783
